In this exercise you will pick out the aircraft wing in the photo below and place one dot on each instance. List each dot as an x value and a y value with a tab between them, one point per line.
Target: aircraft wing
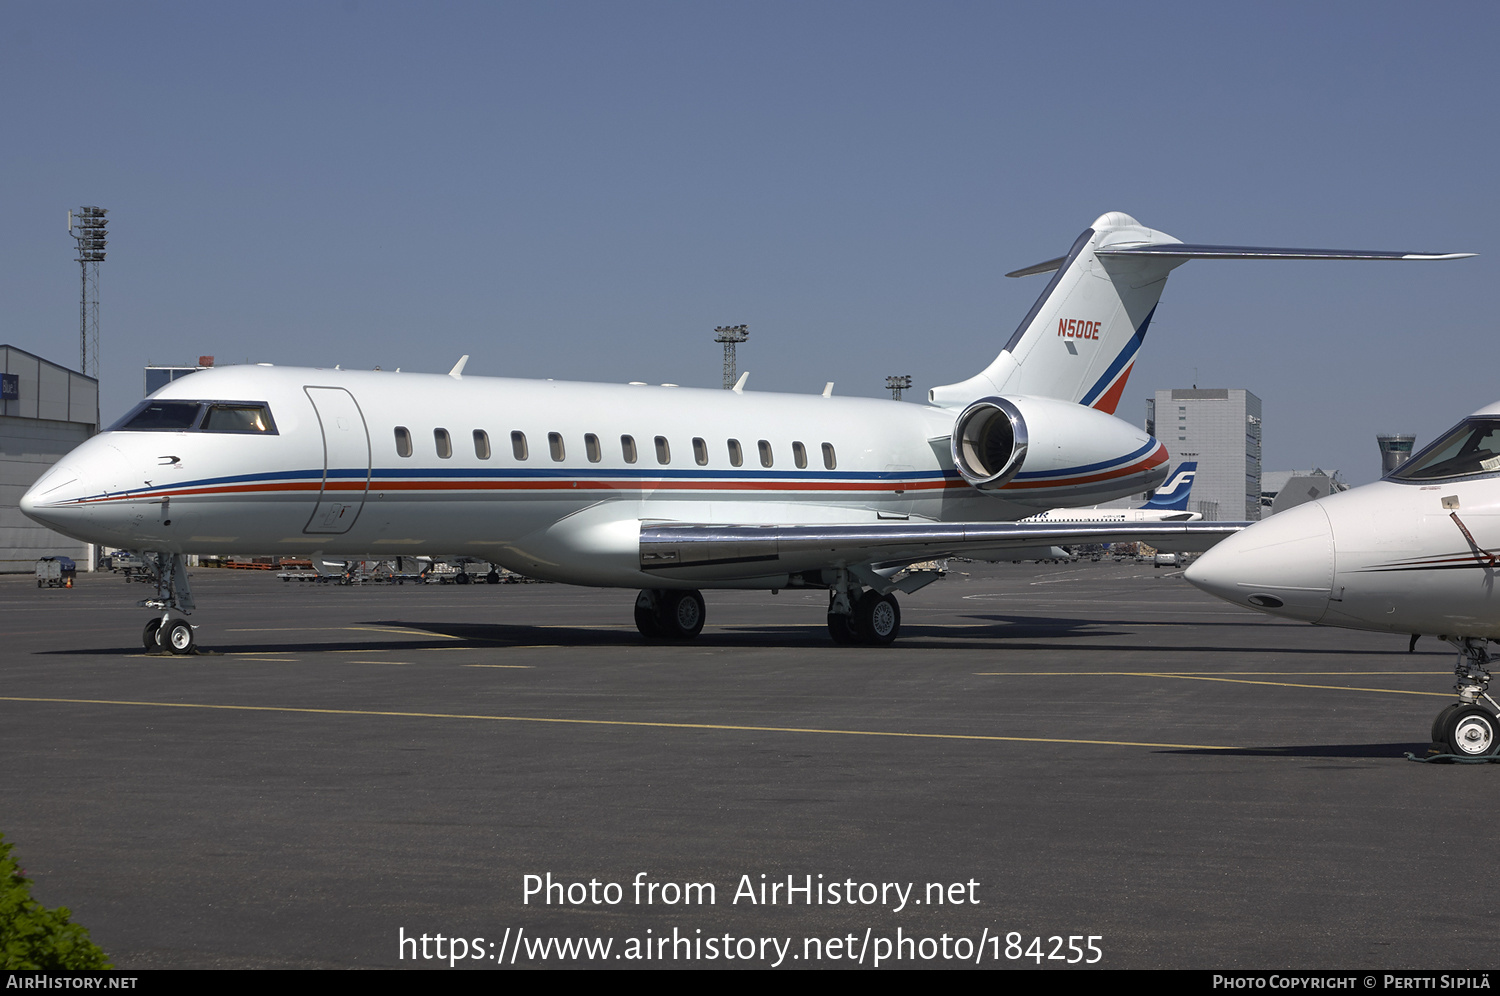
704	552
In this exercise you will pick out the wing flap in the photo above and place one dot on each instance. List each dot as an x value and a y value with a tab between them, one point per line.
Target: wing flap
708	551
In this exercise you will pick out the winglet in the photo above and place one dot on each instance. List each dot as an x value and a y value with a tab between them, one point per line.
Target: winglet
739	385
457	372
828	389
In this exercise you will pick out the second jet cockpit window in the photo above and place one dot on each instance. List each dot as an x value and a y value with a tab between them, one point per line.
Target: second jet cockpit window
1471	449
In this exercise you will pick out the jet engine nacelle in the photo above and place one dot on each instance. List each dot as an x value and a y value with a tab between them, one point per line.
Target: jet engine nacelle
1033	447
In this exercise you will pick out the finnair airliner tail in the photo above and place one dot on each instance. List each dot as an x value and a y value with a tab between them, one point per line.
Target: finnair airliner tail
1173	495
1169	504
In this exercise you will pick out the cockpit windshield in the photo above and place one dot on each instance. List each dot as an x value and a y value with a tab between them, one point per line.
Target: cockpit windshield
198	416
1471	449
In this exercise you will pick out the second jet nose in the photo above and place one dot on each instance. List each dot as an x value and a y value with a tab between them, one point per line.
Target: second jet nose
1282	565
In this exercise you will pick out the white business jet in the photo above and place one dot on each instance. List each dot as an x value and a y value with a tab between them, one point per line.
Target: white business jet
664	489
1414	553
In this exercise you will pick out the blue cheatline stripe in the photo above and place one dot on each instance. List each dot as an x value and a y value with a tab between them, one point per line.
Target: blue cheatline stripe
1143	451
558	474
1126	355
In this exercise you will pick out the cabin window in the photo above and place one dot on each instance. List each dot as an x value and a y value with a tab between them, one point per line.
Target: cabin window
555	444
518	445
627	448
444	444
481	444
663	451
799	455
403	441
700	451
765	454
736	455
591	447
829	459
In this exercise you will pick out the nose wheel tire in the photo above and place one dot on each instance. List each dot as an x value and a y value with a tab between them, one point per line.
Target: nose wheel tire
150	636
178	637
1471	731
1440	724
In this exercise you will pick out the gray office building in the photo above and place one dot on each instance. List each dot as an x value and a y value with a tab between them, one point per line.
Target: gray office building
1219	428
45	411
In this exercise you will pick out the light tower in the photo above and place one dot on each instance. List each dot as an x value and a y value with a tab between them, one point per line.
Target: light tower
86	225
730	336
897	384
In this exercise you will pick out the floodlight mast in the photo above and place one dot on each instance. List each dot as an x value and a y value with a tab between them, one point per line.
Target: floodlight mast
730	336
87	226
898	383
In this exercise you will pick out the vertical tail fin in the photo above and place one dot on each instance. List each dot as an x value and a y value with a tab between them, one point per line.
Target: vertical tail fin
1173	495
1079	341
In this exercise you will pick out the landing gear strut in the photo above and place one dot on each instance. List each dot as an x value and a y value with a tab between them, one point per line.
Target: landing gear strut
1467	728
676	615
174	600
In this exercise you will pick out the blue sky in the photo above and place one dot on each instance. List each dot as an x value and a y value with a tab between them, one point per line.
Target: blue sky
584	190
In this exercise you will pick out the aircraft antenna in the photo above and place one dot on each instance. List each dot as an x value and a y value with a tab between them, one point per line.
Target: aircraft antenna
731	336
87	225
897	384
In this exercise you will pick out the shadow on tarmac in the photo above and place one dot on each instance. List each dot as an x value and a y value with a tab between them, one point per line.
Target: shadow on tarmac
1388	751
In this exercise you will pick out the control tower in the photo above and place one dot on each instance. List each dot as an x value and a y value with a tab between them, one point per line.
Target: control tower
1395	449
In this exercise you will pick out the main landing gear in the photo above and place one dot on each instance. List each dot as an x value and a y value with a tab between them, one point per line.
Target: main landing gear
1467	728
856	614
675	615
169	631
860	616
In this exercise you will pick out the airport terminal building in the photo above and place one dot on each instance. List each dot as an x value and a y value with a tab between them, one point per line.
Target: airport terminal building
45	411
1219	428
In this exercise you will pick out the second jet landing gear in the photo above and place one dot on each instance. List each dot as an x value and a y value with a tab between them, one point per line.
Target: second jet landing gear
1467	728
676	615
174	599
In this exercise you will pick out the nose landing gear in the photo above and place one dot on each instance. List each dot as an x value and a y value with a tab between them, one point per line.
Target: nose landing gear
174	599
1467	728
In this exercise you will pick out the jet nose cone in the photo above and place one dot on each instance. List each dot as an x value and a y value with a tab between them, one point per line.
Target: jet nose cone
48	499
1282	565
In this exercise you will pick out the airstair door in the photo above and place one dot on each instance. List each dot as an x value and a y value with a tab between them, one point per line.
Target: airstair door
346	460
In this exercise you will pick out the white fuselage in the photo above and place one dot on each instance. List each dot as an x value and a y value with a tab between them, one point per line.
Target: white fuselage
565	500
1387	556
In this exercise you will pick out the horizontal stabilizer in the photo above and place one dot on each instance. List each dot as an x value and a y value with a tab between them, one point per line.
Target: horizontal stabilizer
1180	250
1047	267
